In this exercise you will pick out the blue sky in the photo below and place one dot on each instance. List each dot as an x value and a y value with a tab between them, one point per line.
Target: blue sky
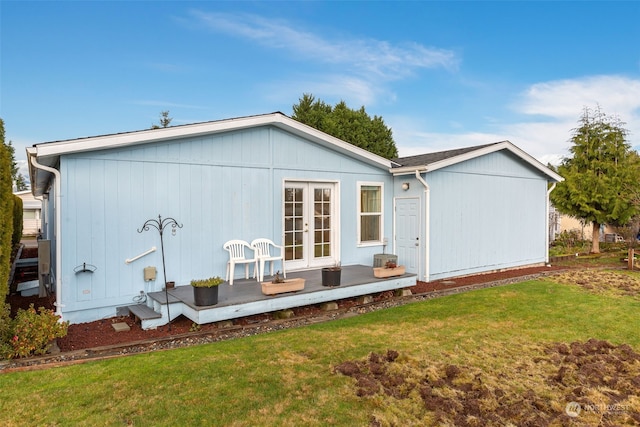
442	75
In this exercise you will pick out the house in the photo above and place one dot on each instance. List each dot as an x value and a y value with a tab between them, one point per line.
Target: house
326	201
471	210
31	213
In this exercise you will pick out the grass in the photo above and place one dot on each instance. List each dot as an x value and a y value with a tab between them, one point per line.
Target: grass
286	378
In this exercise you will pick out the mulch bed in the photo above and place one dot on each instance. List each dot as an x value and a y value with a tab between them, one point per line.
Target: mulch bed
101	333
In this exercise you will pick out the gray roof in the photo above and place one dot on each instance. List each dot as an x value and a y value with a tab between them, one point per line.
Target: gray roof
427	159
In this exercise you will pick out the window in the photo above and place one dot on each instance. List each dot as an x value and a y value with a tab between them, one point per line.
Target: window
370	213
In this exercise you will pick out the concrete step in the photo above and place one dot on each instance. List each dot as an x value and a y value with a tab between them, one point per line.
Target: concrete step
29	288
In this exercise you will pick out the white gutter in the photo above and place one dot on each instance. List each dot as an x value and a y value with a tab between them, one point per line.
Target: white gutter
57	232
547	222
427	202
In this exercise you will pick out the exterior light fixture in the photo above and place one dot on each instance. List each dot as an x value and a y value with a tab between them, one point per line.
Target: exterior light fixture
405	186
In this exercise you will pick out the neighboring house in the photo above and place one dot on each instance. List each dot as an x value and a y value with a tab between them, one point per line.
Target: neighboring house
585	229
462	212
31	213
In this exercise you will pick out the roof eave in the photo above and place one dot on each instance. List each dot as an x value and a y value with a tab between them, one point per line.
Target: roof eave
52	150
477	153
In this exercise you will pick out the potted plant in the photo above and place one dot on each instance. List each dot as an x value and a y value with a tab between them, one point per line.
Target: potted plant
331	275
279	285
205	291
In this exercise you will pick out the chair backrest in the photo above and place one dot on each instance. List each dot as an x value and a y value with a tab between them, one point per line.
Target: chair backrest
262	247
236	248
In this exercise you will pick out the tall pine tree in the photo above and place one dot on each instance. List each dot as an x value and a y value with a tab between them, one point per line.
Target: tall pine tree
598	174
353	126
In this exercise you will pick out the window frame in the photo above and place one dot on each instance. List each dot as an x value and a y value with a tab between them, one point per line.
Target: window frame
360	214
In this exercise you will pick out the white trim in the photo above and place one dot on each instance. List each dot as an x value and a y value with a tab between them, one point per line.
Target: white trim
58	148
336	234
427	223
57	232
504	145
359	185
546	223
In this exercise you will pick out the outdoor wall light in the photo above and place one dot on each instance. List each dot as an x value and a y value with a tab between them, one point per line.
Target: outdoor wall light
405	186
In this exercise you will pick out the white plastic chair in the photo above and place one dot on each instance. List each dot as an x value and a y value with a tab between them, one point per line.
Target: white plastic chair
262	248
236	249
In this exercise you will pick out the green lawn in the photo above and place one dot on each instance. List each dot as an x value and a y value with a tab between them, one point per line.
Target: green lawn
285	378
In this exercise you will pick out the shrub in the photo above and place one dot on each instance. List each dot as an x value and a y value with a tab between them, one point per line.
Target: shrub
568	238
30	332
6	332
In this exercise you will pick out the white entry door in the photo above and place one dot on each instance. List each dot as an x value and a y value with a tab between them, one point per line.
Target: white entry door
407	226
310	224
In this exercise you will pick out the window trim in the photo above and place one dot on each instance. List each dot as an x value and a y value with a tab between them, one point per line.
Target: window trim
359	213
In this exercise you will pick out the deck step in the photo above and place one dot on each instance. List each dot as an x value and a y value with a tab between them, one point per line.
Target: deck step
142	312
27	262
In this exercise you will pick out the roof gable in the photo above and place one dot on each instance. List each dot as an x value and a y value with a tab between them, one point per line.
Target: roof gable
438	160
48	154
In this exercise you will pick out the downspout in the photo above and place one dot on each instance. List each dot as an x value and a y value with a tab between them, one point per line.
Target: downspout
547	222
57	232
427	203
42	208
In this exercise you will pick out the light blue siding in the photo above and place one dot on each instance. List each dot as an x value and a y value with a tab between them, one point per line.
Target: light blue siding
485	214
219	187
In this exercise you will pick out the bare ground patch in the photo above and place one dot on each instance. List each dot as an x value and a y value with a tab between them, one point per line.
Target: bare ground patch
604	282
532	389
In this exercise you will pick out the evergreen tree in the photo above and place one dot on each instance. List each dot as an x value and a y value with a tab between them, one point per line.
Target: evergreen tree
353	126
598	174
165	120
16	177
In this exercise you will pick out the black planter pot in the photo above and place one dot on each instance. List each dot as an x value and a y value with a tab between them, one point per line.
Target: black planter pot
205	296
331	276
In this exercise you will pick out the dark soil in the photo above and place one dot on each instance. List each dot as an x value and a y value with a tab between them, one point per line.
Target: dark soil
460	396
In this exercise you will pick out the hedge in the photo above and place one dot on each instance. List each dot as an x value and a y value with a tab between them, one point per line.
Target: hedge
18	216
6	216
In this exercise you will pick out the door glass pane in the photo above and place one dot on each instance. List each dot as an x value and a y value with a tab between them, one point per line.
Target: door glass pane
293	223
322	214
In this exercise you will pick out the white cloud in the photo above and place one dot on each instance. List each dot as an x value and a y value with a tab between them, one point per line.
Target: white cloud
373	59
562	99
549	112
561	104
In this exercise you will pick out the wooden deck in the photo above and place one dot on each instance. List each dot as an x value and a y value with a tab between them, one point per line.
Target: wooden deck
245	297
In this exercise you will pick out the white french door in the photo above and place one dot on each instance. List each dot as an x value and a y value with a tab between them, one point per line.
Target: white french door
310	224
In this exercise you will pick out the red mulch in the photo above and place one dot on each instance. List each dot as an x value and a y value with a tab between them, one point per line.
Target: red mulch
101	332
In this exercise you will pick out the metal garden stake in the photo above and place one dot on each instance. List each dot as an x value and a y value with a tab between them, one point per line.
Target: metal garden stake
160	224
